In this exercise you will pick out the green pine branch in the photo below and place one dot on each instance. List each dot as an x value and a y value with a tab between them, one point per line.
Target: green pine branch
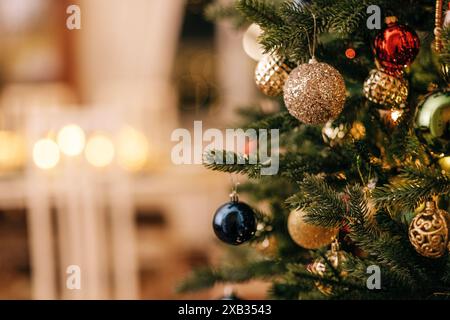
207	277
415	185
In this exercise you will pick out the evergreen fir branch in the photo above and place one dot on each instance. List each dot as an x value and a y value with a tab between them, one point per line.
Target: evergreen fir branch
345	22
281	120
361	218
323	205
261	12
207	277
414	186
237	163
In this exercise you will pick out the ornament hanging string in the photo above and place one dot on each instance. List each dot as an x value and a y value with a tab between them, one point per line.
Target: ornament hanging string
234	187
312	48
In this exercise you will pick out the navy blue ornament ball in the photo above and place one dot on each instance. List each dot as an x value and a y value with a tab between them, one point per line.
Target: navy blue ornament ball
234	223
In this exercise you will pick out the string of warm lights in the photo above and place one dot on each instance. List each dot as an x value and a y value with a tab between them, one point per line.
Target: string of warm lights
131	148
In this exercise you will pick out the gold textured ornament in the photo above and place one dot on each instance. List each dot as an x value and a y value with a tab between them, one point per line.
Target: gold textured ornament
428	232
321	268
270	75
385	89
307	235
315	92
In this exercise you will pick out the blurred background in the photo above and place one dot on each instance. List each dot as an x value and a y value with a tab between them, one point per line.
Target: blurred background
85	121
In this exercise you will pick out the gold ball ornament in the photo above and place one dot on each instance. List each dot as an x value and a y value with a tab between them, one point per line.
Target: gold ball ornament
307	235
385	89
428	231
315	92
271	74
321	268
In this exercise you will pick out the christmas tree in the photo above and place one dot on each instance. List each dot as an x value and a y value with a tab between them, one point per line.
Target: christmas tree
364	176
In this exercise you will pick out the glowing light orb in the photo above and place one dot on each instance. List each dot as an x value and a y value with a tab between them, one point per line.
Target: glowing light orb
46	154
350	53
132	149
12	151
71	140
396	114
99	151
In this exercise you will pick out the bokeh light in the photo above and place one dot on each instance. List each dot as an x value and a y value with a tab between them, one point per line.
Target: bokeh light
132	149
99	150
396	114
350	53
12	151
46	154
71	140
250	42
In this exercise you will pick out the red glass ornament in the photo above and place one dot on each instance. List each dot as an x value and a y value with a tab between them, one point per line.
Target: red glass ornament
396	46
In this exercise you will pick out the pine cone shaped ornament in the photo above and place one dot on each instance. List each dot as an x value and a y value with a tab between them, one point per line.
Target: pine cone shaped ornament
386	90
271	74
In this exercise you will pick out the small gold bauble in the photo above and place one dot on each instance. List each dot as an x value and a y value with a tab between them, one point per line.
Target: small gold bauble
385	89
321	268
428	232
270	75
315	92
307	235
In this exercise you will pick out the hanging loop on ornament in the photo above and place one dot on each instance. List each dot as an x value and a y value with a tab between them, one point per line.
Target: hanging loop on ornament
312	47
313	55
234	188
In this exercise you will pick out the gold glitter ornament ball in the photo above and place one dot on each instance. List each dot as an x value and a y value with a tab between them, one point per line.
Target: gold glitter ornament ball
428	232
385	89
315	92
307	235
271	74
